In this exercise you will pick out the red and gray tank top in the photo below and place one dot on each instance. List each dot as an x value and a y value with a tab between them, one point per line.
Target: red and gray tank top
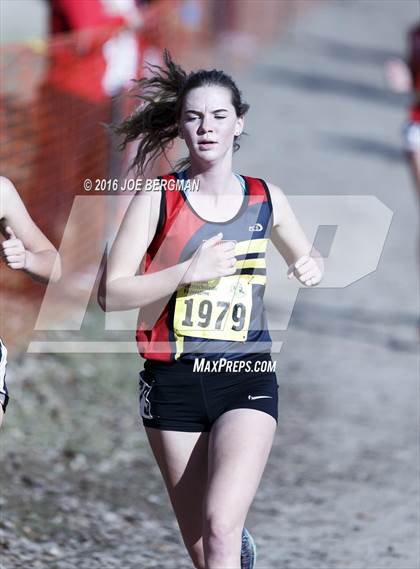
223	317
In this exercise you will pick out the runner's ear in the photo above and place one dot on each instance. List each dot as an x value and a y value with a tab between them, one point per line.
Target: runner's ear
239	126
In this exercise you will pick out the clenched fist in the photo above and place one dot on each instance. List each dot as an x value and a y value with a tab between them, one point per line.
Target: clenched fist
306	270
214	259
13	251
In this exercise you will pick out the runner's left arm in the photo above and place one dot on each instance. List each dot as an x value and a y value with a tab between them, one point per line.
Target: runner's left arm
303	260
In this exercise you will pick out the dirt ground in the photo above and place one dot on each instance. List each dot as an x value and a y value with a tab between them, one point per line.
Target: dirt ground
80	488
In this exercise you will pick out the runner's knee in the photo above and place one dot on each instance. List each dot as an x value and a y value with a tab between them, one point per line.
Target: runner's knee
222	528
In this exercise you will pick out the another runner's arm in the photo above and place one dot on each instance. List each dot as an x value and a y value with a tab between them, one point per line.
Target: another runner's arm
24	238
121	288
288	236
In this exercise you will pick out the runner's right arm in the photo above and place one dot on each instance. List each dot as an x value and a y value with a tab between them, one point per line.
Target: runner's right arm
122	289
25	248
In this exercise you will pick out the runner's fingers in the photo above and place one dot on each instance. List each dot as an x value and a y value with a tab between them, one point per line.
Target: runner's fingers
215	240
230	262
299	263
228	246
9	243
229	257
307	275
14	250
10	231
19	265
14	258
303	268
13	245
306	281
311	281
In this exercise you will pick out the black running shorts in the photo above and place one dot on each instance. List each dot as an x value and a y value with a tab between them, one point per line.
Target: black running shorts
183	396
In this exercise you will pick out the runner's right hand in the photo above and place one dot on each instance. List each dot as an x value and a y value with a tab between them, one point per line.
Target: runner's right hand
214	259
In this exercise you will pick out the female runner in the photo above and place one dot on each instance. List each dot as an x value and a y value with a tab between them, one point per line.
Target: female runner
404	76
25	248
208	397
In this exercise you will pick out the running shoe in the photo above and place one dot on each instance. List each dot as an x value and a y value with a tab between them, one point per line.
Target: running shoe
248	550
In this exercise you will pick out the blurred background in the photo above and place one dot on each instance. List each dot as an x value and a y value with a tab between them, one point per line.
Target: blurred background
79	483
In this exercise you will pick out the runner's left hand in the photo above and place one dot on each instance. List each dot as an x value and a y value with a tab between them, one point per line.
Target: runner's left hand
306	270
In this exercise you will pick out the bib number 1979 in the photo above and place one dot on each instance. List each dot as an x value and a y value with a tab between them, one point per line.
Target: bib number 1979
205	310
221	311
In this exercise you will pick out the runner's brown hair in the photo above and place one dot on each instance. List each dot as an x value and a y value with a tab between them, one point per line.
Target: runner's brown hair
155	121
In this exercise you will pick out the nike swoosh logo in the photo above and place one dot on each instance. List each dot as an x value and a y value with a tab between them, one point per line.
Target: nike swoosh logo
260	397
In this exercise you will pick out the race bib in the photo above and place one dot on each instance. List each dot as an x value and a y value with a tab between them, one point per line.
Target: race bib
219	309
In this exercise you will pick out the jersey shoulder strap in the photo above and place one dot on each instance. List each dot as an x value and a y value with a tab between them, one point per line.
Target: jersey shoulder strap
170	202
258	191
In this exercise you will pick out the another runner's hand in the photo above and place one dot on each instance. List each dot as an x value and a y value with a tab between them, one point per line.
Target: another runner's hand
13	251
306	270
214	259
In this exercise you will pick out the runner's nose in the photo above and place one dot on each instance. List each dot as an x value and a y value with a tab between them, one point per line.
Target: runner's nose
205	126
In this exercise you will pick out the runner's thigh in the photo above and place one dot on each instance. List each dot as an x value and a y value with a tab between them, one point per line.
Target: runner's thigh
182	459
239	446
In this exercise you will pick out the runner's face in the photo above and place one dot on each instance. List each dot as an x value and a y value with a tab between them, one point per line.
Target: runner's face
209	123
